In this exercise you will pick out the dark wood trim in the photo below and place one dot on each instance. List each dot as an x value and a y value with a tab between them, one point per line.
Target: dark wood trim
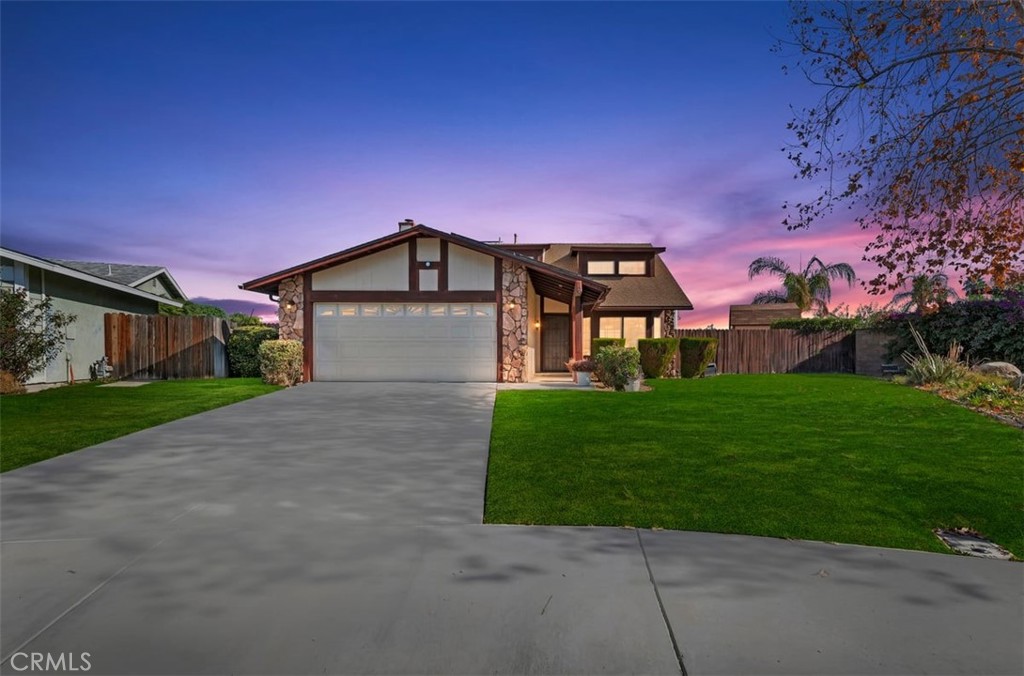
403	296
414	269
307	326
500	307
576	317
442	268
268	283
650	326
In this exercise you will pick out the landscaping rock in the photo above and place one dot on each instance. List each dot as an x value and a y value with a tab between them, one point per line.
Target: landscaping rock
999	368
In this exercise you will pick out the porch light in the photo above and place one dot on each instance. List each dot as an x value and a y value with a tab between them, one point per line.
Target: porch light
536	325
511	305
289	305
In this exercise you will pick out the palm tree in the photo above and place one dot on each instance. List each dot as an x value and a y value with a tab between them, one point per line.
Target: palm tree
926	294
809	289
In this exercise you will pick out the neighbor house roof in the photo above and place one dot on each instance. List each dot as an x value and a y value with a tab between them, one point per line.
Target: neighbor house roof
624	291
74	273
123	273
554	279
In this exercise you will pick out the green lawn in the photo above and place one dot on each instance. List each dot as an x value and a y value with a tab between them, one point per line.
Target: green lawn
819	457
38	426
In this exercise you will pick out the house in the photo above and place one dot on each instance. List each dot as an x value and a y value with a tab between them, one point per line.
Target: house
421	304
87	290
761	316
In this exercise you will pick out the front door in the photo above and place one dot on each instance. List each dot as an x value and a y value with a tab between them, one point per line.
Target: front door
554	342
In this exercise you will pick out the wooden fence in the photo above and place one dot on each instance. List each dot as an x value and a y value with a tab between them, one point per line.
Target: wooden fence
779	350
159	347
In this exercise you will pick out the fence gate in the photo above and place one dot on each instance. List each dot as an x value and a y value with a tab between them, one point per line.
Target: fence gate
162	347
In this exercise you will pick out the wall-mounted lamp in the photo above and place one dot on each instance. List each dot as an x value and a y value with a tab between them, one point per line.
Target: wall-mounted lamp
536	325
289	305
512	305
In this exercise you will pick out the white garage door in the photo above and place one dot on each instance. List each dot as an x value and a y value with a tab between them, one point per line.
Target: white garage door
404	341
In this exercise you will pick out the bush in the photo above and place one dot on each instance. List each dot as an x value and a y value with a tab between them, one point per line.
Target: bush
695	354
243	350
987	328
281	362
810	325
32	333
598	344
927	368
190	309
618	365
656	355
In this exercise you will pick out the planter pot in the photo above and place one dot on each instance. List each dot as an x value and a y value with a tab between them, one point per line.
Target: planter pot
583	378
634	385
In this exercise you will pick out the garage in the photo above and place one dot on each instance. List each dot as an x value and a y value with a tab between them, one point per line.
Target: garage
455	342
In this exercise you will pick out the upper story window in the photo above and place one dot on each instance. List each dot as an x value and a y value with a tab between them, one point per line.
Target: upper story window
632	267
616	267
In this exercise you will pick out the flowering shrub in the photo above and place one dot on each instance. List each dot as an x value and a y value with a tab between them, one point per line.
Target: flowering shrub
987	328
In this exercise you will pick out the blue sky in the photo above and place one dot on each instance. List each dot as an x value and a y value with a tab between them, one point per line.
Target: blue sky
230	140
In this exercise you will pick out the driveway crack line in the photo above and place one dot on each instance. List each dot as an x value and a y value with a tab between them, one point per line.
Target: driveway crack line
661	606
93	591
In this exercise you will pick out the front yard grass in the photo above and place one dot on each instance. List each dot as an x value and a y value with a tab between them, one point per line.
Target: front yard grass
35	427
819	457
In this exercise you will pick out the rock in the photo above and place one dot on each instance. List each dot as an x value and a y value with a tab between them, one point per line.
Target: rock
999	368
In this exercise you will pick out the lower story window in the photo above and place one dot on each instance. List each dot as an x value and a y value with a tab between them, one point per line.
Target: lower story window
630	328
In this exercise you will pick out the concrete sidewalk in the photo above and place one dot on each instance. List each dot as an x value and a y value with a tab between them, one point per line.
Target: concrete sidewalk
335	528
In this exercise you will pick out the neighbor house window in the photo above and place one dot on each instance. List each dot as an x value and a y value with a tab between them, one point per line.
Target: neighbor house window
600	267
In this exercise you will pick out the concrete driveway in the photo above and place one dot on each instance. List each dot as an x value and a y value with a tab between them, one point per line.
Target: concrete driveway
336	528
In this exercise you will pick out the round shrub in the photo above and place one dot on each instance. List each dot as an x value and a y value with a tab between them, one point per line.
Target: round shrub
656	355
281	362
243	350
618	365
695	354
598	344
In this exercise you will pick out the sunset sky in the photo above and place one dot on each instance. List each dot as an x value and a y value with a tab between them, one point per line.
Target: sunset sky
230	140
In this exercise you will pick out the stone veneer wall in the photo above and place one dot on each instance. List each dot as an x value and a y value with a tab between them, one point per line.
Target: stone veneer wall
290	320
514	323
668	330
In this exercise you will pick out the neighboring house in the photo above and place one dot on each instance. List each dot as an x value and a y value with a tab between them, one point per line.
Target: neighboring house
149	278
421	304
122	288
761	316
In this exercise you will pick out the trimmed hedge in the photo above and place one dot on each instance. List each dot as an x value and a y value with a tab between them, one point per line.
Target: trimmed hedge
597	343
281	362
695	354
656	355
243	350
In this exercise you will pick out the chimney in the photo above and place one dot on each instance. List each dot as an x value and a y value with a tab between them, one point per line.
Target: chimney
406	224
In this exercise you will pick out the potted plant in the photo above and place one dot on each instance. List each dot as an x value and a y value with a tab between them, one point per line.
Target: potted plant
581	370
